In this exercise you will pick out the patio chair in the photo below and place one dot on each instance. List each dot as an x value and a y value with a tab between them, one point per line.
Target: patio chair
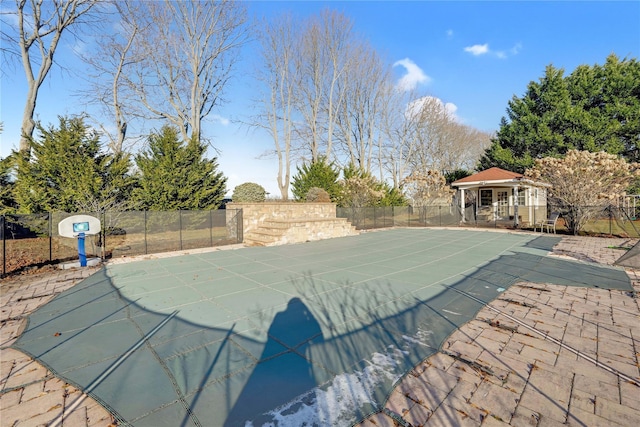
549	223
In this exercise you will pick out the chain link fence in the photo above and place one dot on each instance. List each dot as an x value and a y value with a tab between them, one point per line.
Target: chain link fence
32	240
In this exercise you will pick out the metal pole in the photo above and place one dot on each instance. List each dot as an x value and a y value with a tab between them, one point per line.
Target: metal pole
82	255
180	223
4	245
393	216
610	220
145	233
103	249
375	222
50	237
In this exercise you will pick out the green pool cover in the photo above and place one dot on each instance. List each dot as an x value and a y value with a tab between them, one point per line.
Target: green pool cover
308	334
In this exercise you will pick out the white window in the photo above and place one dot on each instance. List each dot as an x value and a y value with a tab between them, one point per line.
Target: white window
486	197
522	200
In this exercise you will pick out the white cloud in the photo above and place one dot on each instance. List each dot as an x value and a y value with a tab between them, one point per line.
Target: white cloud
80	47
449	33
451	109
413	77
216	118
477	49
432	103
483	49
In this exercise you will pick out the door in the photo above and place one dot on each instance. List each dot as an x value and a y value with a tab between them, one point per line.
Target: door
503	204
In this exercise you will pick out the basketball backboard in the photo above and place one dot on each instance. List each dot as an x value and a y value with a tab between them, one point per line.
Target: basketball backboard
76	224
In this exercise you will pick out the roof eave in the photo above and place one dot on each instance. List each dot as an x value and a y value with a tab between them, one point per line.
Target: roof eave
514	181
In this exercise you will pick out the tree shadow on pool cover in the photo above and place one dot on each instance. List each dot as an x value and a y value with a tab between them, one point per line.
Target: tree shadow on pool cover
283	372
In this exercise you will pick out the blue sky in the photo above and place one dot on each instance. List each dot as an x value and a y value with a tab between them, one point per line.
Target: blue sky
475	55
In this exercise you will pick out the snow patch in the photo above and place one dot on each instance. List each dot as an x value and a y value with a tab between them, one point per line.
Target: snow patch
335	404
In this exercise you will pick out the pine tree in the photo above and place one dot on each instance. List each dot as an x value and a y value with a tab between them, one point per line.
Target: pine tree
595	108
320	174
7	203
175	175
66	170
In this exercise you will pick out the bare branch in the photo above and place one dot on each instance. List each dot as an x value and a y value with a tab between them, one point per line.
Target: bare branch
36	35
188	50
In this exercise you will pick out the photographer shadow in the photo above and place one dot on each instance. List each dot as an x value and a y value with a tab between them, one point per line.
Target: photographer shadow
283	372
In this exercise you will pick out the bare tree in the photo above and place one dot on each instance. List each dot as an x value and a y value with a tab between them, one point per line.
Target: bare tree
422	135
467	146
442	142
40	26
189	50
303	62
279	41
366	87
322	61
109	63
400	136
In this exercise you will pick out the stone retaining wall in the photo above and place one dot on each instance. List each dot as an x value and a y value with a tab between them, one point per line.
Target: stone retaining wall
254	214
274	223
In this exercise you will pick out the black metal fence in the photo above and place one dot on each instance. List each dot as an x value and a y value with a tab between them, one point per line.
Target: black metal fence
32	240
433	216
604	220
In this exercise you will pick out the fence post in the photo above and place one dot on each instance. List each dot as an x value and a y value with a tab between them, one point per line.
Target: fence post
103	249
211	227
180	224
393	216
610	220
50	237
145	232
4	246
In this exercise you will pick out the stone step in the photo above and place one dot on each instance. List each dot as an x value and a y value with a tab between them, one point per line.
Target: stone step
275	231
257	240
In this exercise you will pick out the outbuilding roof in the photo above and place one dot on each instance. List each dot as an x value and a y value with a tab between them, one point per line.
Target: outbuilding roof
496	176
492	174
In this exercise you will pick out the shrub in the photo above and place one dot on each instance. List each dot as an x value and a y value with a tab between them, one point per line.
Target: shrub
583	183
392	196
321	174
249	192
318	195
359	188
429	188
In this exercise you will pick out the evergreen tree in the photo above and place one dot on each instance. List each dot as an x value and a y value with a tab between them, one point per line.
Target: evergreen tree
392	196
608	98
175	175
320	174
594	109
116	186
66	170
7	202
360	189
